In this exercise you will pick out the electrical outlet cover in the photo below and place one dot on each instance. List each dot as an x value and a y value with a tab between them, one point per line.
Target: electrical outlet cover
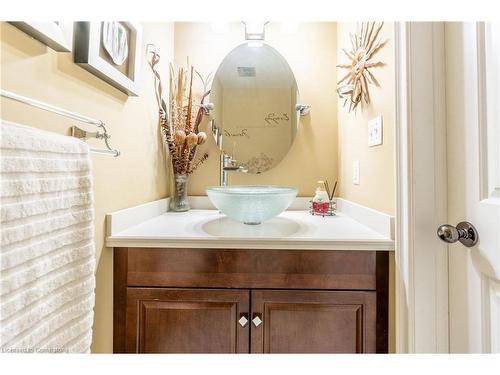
375	131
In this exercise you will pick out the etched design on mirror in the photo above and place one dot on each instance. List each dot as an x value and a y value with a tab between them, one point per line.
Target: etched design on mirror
258	164
274	119
254	116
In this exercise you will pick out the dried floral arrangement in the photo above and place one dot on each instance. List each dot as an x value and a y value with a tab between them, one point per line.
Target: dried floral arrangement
353	87
179	121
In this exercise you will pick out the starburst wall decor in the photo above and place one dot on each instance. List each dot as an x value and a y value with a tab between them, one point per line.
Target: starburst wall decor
353	87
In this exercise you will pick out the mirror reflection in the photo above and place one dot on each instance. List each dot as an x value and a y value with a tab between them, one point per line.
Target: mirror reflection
254	116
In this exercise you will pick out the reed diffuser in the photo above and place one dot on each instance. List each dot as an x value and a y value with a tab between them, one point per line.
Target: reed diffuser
331	208
179	122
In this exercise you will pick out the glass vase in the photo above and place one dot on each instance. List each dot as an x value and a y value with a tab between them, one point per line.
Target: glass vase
179	198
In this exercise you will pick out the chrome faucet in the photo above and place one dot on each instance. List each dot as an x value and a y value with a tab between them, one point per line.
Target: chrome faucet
228	164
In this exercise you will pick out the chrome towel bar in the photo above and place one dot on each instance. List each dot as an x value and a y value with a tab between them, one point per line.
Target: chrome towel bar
75	131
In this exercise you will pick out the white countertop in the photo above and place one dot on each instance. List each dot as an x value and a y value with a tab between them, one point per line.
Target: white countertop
207	228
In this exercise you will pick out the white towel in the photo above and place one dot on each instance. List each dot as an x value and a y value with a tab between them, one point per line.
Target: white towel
47	259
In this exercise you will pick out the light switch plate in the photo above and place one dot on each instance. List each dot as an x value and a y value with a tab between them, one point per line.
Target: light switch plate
375	131
355	172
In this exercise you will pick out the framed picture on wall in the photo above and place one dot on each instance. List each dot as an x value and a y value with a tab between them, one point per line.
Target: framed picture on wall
56	35
111	51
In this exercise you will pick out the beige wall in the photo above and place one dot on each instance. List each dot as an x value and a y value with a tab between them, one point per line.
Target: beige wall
377	176
311	53
377	179
29	68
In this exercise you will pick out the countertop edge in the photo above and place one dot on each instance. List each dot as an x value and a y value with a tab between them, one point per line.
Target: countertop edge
217	243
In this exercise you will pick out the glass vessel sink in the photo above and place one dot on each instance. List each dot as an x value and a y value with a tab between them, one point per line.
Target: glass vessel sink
251	204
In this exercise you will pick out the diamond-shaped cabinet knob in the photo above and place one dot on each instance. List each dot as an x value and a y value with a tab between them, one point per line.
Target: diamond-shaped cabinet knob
243	320
257	321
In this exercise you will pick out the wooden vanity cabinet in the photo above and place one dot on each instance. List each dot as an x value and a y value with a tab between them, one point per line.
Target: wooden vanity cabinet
161	320
250	301
313	321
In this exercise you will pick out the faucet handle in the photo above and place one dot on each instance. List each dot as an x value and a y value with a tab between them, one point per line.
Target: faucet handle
229	161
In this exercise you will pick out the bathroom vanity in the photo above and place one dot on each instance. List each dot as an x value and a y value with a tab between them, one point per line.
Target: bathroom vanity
197	282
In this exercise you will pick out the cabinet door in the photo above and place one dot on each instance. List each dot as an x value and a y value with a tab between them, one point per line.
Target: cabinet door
186	321
313	321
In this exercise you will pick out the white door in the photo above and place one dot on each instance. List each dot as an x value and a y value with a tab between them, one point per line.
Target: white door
473	159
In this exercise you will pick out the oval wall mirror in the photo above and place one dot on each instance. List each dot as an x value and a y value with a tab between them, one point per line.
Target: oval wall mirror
254	117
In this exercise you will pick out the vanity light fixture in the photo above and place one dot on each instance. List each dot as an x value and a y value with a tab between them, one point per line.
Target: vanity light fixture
255	43
255	33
